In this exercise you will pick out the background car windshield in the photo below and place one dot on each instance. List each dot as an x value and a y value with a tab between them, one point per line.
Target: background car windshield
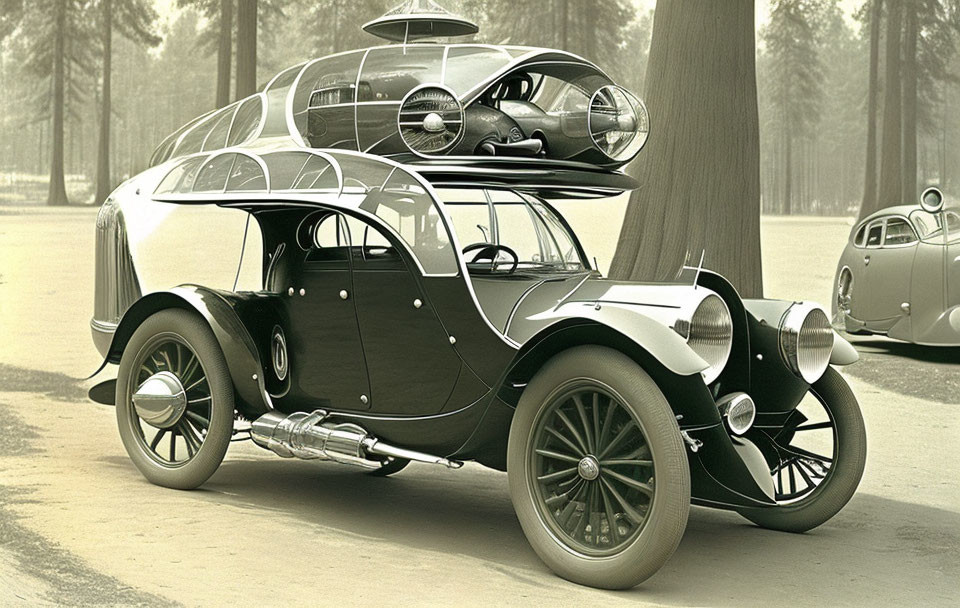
930	225
522	223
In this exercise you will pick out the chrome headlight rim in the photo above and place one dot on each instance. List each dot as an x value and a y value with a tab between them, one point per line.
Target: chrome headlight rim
806	340
460	119
641	114
694	328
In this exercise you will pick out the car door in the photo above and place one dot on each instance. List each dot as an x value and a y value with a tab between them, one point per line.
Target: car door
888	270
412	364
326	354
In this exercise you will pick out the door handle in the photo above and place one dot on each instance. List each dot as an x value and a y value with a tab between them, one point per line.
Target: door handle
343	294
866	260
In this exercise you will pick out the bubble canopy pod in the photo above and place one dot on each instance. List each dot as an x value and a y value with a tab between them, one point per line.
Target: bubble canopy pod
424	100
418	19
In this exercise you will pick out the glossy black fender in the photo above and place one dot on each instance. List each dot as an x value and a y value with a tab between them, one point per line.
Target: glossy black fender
243	360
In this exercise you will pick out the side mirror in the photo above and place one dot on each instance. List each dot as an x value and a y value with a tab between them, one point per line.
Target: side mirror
931	200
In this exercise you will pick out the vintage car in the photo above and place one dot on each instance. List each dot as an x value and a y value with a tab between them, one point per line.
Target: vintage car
899	274
299	270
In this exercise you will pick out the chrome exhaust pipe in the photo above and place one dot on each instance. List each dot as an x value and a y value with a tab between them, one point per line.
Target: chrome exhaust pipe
311	436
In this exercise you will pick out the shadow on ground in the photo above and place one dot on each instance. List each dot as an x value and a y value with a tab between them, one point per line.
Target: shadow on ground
928	372
876	547
52	384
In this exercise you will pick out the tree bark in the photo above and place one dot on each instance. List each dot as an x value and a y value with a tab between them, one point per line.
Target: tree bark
909	142
873	93
224	53
700	173
787	173
104	186
246	48
57	194
564	20
891	178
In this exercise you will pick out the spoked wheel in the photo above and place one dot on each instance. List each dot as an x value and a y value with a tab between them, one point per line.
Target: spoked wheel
592	469
597	469
174	400
816	459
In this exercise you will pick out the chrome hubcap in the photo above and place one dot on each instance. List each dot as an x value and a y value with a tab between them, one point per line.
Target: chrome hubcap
161	400
589	468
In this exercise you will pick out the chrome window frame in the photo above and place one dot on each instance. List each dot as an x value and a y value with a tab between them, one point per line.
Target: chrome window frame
882	222
886	222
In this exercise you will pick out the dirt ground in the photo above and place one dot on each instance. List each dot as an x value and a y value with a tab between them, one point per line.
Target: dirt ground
80	526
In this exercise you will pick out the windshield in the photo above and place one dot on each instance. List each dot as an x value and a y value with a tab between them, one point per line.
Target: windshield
513	222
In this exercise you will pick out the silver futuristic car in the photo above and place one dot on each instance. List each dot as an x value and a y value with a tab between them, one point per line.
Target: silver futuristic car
899	274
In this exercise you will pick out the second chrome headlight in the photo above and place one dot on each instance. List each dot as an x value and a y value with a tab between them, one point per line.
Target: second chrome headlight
806	340
710	334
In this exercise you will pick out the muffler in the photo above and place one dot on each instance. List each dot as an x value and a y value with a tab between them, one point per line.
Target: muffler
312	436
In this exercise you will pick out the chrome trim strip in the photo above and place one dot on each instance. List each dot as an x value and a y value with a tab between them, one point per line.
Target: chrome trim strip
516	307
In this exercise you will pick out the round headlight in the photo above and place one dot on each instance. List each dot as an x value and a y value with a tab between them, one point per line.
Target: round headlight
430	119
710	335
618	123
806	340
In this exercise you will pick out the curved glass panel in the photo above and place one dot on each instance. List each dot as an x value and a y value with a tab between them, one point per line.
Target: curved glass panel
389	73
181	177
162	152
217	135
193	140
285	78
468	65
317	174
408	208
285	168
246	121
327	82
246	175
213	174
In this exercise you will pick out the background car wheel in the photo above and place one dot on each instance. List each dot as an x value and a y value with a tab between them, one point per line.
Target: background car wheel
812	487
395	465
597	470
178	431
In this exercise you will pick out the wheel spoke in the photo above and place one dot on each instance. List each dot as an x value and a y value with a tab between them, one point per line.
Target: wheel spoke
629	481
631	513
557	475
157	438
556	455
188	438
795	451
198	419
195	384
173	446
587	431
793	478
566	441
607	422
612	462
611	519
190	368
616	440
573	430
596	417
558	498
815	426
804	474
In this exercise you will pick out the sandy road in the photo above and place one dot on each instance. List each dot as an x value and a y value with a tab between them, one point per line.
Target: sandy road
79	525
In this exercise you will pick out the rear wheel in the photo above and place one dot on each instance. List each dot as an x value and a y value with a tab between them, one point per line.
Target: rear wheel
816	459
175	407
597	470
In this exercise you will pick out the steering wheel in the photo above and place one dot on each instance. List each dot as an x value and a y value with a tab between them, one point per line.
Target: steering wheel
489	251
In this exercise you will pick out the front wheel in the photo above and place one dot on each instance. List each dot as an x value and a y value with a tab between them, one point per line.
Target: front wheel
816	459
597	469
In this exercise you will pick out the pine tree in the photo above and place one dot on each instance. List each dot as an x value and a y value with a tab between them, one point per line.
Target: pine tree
135	20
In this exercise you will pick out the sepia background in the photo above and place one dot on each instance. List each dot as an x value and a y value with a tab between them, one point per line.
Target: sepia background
838	127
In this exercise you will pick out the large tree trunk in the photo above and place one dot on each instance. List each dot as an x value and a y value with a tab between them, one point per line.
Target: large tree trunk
700	173
909	187
224	52
58	190
104	185
787	173
873	94
246	48
891	177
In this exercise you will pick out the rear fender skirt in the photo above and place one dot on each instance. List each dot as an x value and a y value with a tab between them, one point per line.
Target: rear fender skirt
240	352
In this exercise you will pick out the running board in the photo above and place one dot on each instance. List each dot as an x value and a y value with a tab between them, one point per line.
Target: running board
312	437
